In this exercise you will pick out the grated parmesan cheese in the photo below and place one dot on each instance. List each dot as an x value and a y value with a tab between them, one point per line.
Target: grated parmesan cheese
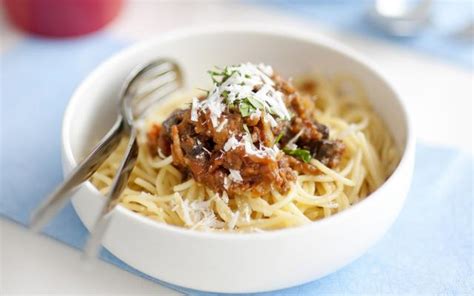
271	120
292	141
240	85
226	183
267	69
235	176
233	220
256	115
231	144
197	214
225	197
221	125
246	212
194	109
200	205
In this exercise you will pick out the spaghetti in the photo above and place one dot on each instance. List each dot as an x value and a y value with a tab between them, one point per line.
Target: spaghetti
159	190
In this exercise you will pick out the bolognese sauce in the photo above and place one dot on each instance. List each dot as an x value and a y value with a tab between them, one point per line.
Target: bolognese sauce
253	132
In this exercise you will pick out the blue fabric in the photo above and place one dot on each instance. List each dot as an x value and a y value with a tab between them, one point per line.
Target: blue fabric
438	38
428	250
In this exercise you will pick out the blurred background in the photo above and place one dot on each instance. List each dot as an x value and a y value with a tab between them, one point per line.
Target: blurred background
48	46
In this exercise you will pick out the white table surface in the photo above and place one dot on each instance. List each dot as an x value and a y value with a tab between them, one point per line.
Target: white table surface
439	95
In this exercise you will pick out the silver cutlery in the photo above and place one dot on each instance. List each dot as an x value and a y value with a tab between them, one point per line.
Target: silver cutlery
144	86
401	18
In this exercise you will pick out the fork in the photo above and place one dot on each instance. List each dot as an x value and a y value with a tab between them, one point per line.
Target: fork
145	86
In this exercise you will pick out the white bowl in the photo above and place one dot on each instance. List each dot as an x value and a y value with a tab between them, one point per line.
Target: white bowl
226	262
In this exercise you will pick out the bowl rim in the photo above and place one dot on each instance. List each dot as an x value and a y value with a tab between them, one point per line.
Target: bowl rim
272	30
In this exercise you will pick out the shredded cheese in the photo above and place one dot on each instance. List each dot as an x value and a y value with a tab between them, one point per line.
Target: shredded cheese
235	176
233	220
231	144
245	81
226	182
194	110
225	197
221	125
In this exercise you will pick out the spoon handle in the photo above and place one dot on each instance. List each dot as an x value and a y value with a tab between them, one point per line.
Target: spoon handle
81	173
118	185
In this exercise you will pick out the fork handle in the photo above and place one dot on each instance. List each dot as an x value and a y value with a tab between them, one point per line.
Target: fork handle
86	168
118	185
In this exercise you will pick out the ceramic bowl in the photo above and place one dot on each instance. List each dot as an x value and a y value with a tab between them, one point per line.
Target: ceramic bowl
229	262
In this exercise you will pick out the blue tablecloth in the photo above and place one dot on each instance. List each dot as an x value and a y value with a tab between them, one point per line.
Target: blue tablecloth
428	250
440	38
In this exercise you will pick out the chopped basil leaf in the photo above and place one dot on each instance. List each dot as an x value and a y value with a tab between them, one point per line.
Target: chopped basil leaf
204	90
249	105
302	154
222	74
246	108
214	73
246	128
278	138
256	103
225	94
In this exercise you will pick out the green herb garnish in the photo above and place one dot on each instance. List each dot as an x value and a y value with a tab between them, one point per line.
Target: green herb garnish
278	138
225	94
204	90
302	154
246	128
213	75
249	105
246	108
256	103
218	77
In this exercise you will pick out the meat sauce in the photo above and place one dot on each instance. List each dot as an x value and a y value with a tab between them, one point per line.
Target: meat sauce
199	148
